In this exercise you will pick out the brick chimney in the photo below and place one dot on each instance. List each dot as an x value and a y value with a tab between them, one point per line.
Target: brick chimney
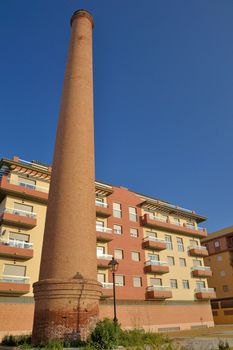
67	293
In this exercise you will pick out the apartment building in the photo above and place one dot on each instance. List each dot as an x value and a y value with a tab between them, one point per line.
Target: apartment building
220	259
161	279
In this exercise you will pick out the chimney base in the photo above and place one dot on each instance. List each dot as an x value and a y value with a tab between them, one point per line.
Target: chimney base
65	309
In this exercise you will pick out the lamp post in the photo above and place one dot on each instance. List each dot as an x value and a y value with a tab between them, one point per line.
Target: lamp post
113	265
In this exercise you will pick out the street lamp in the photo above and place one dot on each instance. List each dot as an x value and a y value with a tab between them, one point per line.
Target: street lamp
113	265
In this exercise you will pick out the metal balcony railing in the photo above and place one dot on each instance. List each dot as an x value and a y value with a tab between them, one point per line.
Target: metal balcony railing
158	288
199	247
26	185
103	229
14	279
104	256
107	285
101	204
157	218
156	263
204	290
200	268
154	239
19	212
16	243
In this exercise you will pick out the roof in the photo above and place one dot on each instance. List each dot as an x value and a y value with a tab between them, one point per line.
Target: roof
220	233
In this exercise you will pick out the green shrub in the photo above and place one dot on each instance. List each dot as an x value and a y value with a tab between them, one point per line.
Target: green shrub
105	335
223	345
16	340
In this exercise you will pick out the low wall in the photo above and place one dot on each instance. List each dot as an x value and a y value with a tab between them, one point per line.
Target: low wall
16	314
159	316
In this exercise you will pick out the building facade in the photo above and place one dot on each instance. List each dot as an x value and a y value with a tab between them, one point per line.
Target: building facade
220	259
161	279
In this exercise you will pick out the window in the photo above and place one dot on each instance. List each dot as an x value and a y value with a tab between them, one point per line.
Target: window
173	284
168	240
19	237
27	183
99	226
200	284
14	270
134	232
117	229
222	273
225	288
217	245
118	253
117	210
151	233
219	258
154	257
155	281
20	209
182	262
137	281
132	214
180	245
101	277
120	280
197	263
193	242
185	284
176	221
100	251
170	260
135	256
99	201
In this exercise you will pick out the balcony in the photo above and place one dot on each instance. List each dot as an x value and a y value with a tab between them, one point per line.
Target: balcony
198	250
23	190
16	249
153	243
205	293
103	260
158	292
19	218
154	266
107	289
168	225
14	285
104	234
102	209
201	271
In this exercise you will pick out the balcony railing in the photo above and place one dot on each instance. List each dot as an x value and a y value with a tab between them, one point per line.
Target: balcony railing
154	239
107	285
26	185
200	268
101	204
156	263
204	290
103	229
158	288
16	243
19	212
165	223
157	218
104	256
14	279
198	247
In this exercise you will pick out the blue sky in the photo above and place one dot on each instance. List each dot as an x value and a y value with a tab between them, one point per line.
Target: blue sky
163	94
